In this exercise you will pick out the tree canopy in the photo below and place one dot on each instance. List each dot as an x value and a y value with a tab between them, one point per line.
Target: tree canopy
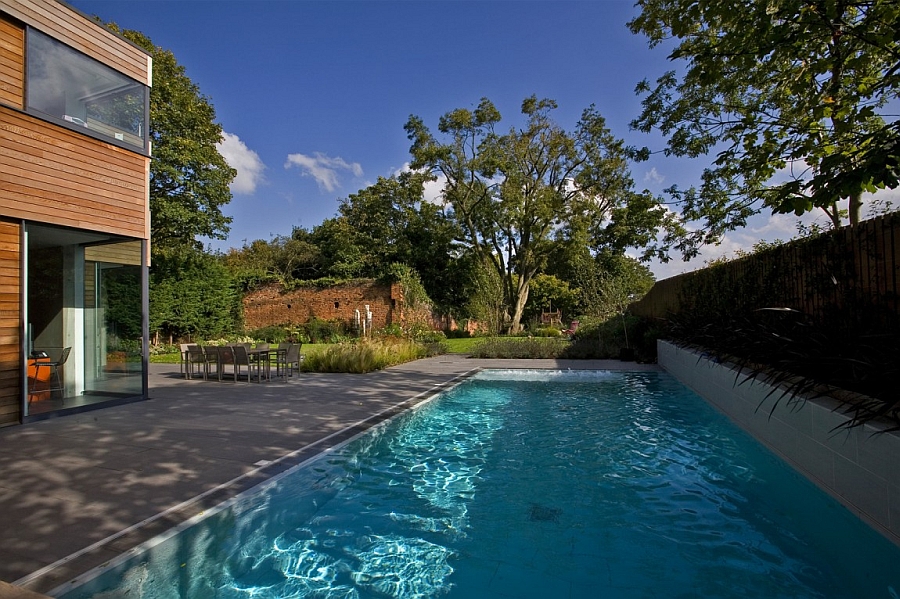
189	179
789	94
390	222
509	192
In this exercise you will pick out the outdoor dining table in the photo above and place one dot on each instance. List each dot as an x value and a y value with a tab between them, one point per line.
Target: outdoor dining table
218	357
265	356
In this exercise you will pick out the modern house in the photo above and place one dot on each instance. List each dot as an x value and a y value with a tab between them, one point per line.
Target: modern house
74	213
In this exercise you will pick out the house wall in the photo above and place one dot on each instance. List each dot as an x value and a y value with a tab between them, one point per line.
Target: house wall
51	174
10	324
74	29
12	63
857	467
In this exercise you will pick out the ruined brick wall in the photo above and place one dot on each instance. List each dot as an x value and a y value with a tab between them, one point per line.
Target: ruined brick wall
271	305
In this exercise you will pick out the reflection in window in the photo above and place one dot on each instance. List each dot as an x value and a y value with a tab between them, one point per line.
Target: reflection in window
67	85
84	294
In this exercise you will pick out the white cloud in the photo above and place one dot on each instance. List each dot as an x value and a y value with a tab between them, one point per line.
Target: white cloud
244	160
433	193
324	169
653	176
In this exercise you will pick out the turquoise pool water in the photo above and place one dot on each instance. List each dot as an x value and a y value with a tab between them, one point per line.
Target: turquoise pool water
529	484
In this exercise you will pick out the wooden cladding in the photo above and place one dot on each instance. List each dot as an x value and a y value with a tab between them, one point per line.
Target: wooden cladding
12	63
52	175
10	324
70	27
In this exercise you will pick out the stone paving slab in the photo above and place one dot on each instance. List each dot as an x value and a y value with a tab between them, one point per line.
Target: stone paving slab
71	485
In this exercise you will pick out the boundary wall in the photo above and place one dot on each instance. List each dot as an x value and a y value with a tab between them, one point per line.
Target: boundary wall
857	467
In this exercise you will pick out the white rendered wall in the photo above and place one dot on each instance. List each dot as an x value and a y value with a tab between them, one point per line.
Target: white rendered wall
858	468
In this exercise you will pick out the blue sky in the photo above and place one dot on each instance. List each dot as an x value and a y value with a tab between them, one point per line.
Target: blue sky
313	96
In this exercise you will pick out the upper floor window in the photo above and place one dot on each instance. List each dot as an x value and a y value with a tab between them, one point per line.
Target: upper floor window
67	85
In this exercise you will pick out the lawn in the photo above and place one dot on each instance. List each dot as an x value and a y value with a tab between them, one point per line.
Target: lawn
462	345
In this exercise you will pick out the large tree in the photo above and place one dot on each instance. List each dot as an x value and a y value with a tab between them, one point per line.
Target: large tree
789	94
391	222
189	179
284	258
195	297
510	191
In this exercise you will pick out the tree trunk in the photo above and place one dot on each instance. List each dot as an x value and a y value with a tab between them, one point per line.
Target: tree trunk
519	309
855	208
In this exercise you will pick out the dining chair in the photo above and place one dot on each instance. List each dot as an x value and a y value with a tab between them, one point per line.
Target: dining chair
290	360
195	357
211	354
242	358
226	358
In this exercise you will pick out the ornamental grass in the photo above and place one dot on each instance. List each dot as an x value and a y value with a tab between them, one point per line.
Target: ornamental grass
367	355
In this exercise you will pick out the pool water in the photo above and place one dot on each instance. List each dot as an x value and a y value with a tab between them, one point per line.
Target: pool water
529	484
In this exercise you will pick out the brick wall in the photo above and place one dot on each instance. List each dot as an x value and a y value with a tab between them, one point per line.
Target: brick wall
271	305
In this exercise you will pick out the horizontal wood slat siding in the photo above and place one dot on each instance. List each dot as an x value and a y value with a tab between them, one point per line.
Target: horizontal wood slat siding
12	63
10	323
74	29
52	175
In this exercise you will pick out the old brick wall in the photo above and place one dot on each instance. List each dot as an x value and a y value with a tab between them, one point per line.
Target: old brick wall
271	305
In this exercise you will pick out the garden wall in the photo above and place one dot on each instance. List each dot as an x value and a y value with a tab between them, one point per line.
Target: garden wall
273	305
858	468
848	271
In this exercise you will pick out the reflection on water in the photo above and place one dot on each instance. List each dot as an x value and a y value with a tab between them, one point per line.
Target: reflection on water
565	484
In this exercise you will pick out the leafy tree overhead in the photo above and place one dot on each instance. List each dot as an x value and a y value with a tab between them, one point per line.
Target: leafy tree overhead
509	192
390	222
189	179
341	257
194	297
790	94
550	294
283	258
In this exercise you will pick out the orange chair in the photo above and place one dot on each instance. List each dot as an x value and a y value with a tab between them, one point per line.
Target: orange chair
38	379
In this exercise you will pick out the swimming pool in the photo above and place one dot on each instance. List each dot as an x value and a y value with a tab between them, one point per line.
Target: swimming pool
528	484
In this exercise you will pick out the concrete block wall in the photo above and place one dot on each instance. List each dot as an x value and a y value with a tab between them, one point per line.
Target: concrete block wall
858	468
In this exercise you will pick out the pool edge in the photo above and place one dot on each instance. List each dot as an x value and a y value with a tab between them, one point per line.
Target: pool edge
858	468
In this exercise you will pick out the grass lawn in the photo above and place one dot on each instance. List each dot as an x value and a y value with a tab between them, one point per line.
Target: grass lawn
462	345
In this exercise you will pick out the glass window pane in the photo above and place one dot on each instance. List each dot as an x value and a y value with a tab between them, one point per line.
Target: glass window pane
69	86
84	318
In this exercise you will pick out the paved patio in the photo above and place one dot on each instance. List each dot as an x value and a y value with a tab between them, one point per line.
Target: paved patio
77	491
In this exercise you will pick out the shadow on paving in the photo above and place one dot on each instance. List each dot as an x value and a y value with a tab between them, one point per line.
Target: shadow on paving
74	481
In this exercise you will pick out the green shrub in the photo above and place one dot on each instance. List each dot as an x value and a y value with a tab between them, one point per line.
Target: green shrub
605	340
547	332
519	348
391	330
322	331
456	334
162	349
271	334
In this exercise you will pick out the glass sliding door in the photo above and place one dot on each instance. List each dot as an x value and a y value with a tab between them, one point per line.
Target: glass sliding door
83	314
113	322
